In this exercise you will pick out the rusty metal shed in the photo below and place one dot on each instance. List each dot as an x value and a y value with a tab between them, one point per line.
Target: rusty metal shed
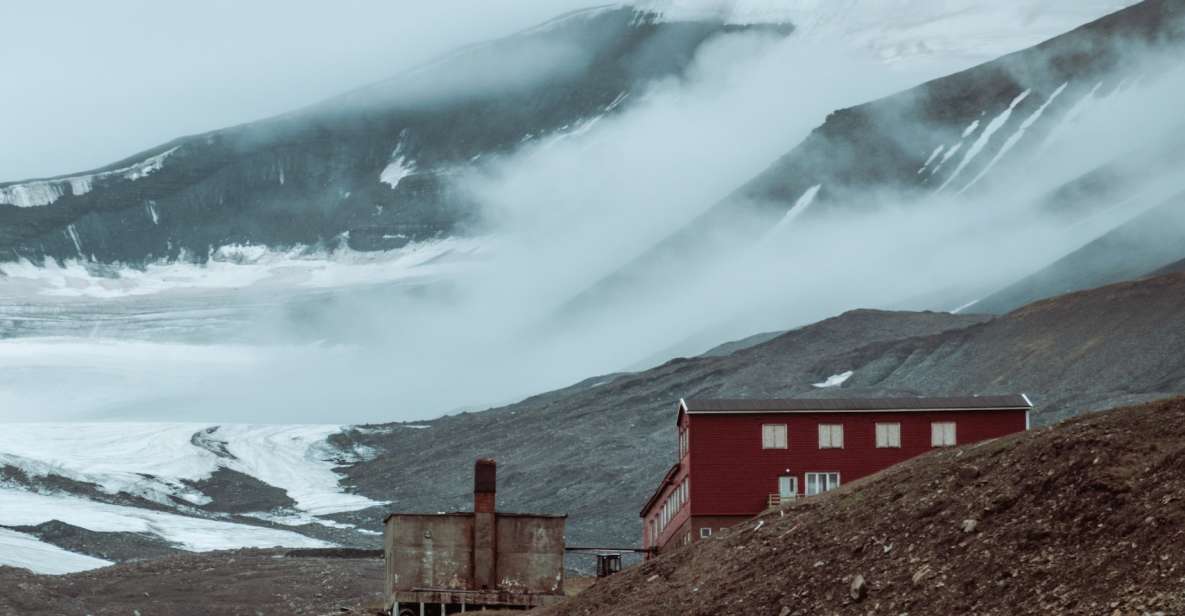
452	562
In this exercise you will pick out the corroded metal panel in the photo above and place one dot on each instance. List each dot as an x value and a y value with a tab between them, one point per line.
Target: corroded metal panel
531	554
429	551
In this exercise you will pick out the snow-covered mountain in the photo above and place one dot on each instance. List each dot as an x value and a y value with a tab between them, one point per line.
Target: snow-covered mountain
371	169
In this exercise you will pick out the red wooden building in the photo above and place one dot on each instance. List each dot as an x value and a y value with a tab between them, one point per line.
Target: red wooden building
739	457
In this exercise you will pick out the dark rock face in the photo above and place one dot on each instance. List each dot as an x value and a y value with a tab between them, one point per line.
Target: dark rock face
234	492
315	177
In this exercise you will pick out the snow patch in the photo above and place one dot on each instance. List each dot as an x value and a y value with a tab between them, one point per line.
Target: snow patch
945	157
297	519
796	211
964	306
72	233
20	508
1070	118
970	129
996	124
399	168
933	155
44	192
835	380
29	552
1015	137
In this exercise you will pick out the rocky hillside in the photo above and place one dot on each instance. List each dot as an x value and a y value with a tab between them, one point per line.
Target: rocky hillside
370	168
1086	517
594	450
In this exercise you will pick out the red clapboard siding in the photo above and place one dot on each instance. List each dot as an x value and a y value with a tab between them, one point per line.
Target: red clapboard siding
735	476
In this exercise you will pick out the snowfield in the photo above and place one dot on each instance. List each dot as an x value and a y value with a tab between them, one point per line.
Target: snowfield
21	508
238	267
957	33
152	461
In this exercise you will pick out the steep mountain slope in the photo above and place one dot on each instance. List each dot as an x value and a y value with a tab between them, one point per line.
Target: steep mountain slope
1087	517
946	143
1139	247
370	167
595	449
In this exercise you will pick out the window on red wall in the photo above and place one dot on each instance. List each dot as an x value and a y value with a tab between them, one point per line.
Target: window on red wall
942	434
830	436
888	435
773	436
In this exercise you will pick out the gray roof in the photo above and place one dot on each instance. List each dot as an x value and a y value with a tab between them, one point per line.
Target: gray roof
834	405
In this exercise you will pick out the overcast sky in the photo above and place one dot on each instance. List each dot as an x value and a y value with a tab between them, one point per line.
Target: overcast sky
87	83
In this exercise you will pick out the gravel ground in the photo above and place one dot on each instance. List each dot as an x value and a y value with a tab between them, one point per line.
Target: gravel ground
239	582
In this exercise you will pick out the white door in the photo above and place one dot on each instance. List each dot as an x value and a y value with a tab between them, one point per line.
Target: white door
787	486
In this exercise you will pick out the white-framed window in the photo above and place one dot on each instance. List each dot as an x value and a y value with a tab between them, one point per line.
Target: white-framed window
773	436
684	443
818	483
888	435
830	436
704	533
942	434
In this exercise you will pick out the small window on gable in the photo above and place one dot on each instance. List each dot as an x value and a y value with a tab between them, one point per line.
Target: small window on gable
830	436
942	434
705	532
888	435
773	436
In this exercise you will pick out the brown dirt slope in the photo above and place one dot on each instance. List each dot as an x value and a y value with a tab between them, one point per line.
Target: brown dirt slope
240	582
1087	517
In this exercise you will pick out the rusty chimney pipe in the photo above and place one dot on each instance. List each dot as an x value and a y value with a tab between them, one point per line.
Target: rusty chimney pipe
485	487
